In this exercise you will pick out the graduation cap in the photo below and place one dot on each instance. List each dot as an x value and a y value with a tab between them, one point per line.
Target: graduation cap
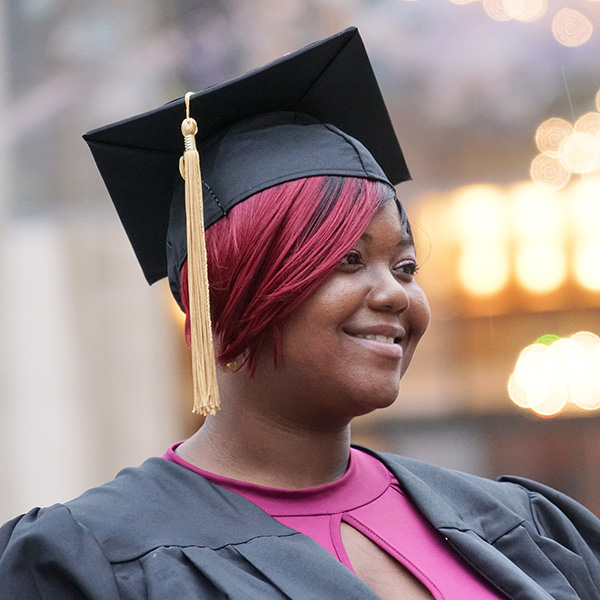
317	111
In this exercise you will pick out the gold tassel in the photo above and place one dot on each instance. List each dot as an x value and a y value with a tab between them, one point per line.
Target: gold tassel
206	391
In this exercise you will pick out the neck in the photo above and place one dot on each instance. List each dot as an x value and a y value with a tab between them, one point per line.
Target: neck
245	445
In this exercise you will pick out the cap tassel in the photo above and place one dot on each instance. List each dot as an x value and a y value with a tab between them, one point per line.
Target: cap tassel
206	391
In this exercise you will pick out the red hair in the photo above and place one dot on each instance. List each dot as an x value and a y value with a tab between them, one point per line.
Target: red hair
273	251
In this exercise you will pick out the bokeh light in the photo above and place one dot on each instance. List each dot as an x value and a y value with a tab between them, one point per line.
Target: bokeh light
547	339
490	237
586	387
566	149
480	221
547	377
571	28
588	124
484	270
540	267
548	172
580	153
551	133
537	214
540	260
586	264
585	206
586	235
479	213
529	383
496	9
525	10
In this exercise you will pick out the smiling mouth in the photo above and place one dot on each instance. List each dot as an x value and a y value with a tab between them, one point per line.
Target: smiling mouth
377	338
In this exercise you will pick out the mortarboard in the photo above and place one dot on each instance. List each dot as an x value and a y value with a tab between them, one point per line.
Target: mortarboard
317	111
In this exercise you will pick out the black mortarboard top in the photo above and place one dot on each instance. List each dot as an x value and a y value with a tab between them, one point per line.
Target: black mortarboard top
331	81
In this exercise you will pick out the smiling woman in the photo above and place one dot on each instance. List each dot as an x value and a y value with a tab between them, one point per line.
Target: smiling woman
316	314
343	337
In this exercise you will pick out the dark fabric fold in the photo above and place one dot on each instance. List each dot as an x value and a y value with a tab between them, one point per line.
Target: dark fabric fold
162	531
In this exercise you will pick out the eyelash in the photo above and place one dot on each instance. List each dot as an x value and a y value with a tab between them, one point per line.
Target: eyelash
412	266
353	254
354	258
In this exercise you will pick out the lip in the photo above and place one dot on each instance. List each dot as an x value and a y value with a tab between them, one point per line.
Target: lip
383	348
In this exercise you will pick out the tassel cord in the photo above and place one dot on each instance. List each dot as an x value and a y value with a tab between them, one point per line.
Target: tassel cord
206	392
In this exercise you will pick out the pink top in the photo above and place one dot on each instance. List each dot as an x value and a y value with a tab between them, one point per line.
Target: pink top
369	498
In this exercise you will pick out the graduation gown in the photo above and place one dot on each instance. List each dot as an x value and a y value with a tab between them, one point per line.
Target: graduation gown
161	531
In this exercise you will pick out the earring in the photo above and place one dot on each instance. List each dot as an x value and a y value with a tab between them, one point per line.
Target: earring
237	363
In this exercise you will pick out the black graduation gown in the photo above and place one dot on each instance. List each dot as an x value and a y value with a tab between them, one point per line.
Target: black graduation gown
160	531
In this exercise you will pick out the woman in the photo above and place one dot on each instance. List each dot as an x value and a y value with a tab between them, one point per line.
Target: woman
316	314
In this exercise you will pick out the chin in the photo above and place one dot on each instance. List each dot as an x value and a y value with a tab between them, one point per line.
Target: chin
377	399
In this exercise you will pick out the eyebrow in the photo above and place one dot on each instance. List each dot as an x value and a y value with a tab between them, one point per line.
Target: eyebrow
405	240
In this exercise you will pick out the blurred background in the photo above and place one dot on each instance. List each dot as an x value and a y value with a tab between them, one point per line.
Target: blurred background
496	104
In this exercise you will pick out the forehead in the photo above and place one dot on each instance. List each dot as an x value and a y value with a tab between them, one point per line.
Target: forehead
390	221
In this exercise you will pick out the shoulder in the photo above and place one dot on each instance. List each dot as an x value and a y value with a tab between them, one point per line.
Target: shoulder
51	538
112	517
454	487
520	533
496	509
159	527
559	517
156	504
528	498
46	549
96	545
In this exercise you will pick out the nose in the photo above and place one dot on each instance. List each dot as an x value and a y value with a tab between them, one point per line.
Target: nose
388	293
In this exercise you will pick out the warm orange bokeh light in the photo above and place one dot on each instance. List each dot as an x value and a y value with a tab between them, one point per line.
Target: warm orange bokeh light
481	225
484	271
540	257
540	267
548	377
488	238
479	213
586	264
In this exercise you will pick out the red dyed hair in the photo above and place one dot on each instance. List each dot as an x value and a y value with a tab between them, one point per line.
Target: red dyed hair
274	250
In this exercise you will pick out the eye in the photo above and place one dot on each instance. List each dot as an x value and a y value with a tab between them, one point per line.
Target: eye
352	260
406	268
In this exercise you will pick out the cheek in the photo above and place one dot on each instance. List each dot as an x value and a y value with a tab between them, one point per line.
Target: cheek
301	336
327	308
419	322
420	315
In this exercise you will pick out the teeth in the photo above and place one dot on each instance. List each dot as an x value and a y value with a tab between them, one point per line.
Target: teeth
377	338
